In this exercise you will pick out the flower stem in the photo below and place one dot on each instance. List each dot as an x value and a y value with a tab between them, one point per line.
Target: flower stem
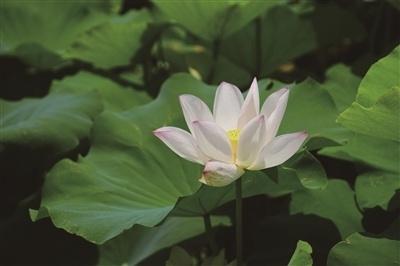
209	234
239	232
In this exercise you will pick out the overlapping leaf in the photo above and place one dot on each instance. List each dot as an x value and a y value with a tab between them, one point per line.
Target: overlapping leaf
336	202
342	85
379	153
26	29
223	18
381	120
113	43
376	189
374	116
360	250
136	244
380	79
375	112
114	96
56	122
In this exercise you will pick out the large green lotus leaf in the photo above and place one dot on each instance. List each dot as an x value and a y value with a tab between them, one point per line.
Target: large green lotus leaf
56	122
128	176
342	85
111	44
381	78
381	120
359	250
302	255
124	180
379	153
263	46
115	97
139	242
213	20
26	23
376	189
336	202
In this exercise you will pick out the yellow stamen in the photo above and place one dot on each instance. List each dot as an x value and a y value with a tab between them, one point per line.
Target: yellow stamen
233	136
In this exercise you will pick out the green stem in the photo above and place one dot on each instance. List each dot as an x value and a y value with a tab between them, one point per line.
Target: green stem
239	232
258	47
210	235
215	55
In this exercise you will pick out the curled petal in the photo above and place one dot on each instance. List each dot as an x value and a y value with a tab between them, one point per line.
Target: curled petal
279	150
273	109
251	105
218	174
182	143
227	104
194	109
251	140
212	140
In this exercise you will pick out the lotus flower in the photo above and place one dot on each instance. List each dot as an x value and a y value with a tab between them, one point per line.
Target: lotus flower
236	136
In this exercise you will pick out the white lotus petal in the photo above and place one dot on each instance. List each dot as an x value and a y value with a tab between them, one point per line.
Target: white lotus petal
272	101
279	150
212	140
273	109
182	143
227	104
194	109
251	140
220	174
251	105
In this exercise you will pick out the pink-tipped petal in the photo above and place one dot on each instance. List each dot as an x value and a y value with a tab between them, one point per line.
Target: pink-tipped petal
194	109
273	109
251	105
182	143
251	140
279	150
212	140
227	104
219	174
